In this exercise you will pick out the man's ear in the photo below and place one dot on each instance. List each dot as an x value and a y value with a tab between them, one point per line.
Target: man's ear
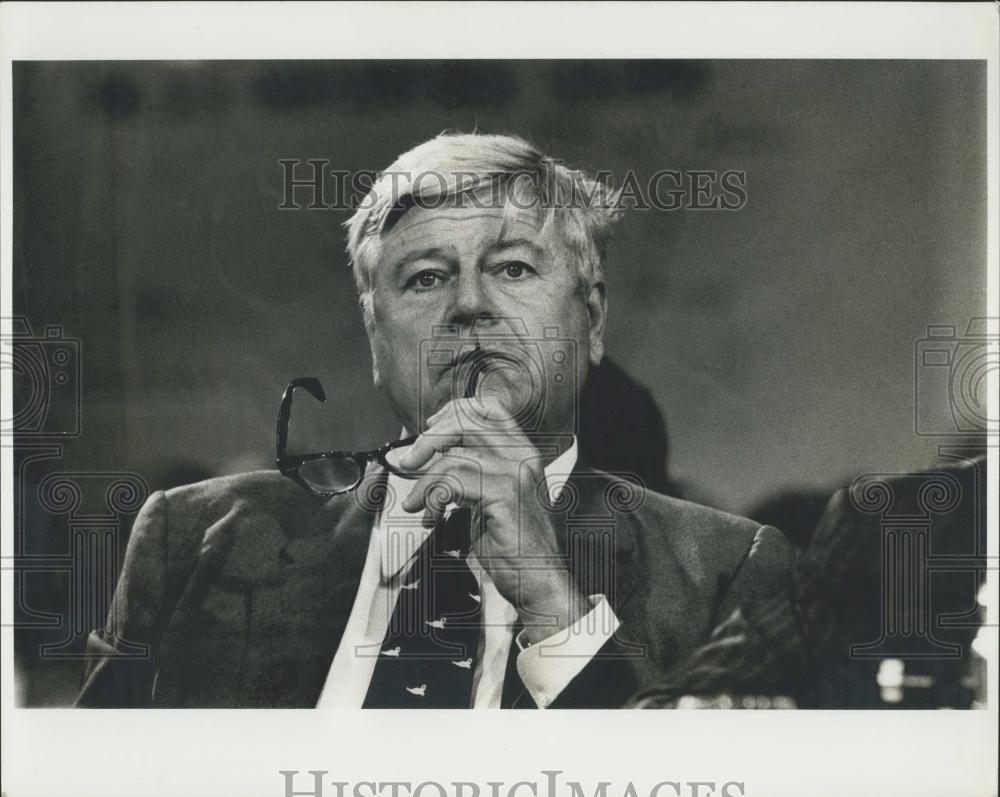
597	313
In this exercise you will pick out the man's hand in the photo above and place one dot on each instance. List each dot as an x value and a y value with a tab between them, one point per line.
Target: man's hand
490	466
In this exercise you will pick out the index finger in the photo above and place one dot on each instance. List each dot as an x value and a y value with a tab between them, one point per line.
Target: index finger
427	445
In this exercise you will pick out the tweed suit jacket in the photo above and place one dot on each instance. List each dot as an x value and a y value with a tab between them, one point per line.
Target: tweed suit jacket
235	591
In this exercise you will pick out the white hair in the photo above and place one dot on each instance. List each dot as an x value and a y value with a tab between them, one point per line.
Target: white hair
451	165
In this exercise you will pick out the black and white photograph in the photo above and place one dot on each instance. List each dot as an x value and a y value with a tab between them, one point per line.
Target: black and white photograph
437	377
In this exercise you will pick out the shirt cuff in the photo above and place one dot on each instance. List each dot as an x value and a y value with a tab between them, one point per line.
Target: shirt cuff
548	666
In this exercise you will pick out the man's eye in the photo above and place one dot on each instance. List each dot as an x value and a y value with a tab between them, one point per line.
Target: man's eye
516	269
424	280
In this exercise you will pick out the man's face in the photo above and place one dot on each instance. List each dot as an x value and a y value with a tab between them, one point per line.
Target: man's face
470	268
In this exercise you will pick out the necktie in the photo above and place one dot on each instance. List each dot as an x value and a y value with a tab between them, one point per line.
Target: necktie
427	659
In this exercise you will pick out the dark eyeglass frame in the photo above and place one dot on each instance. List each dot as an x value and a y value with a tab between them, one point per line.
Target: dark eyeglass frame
289	465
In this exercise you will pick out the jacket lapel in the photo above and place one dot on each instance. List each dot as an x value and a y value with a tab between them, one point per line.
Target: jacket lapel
301	569
304	578
598	536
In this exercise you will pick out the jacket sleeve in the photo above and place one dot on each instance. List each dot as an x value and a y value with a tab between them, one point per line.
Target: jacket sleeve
756	644
121	657
615	674
764	571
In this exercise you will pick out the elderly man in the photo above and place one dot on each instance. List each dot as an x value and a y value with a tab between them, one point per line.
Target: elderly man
474	563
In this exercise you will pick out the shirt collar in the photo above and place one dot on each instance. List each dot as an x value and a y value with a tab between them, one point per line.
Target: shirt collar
400	534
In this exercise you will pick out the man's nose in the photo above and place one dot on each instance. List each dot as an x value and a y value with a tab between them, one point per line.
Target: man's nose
470	302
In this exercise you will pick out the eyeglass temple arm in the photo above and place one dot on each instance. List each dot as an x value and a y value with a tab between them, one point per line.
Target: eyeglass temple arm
313	387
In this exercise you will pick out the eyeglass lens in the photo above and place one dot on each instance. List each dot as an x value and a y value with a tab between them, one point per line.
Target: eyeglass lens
330	474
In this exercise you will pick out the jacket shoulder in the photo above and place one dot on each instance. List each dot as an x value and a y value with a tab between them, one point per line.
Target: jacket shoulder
702	537
247	500
264	489
700	520
625	494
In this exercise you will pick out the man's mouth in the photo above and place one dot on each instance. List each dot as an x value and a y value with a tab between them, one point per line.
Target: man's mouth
481	372
490	374
479	368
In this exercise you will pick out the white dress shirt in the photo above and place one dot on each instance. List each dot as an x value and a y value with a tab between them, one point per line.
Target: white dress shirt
395	539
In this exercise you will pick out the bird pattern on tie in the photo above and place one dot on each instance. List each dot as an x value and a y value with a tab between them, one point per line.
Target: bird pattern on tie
428	654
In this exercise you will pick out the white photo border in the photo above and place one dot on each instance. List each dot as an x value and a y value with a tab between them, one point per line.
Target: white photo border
190	752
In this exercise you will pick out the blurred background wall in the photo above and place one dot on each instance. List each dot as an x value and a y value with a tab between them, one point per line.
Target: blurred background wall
778	341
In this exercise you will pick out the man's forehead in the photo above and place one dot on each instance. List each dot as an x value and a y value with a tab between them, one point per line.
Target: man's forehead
473	226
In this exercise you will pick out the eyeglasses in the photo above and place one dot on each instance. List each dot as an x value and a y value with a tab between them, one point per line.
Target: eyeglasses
335	472
328	472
